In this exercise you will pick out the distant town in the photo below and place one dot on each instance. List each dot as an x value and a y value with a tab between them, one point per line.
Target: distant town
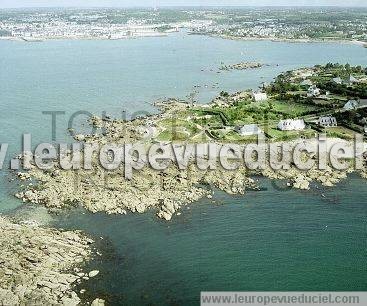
237	23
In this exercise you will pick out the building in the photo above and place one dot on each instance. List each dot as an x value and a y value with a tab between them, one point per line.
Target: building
349	81
291	125
249	130
352	80
327	121
259	96
338	80
313	91
350	105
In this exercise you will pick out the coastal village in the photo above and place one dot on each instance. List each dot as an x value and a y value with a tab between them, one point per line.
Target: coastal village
288	24
329	99
36	26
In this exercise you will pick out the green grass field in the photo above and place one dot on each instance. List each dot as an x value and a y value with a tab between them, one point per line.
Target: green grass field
340	132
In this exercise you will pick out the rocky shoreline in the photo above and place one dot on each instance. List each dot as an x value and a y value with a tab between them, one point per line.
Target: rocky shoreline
41	265
290	40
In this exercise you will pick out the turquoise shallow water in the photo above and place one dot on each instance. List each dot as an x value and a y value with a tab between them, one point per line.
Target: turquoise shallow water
266	240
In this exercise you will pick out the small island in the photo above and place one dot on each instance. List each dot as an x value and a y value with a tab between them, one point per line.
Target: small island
241	66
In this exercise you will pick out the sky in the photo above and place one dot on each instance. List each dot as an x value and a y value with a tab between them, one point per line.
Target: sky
151	3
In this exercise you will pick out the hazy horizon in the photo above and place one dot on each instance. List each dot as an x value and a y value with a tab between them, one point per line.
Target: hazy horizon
179	3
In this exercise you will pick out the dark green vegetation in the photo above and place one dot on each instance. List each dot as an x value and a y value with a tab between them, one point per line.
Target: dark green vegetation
347	88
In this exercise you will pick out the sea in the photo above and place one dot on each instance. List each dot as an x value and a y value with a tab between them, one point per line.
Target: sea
274	239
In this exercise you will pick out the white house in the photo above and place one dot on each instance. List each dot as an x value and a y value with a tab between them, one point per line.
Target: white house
313	91
350	105
338	80
249	130
291	125
259	96
352	80
327	121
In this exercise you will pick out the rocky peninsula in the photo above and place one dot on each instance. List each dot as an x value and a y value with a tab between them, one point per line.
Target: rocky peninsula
165	191
178	123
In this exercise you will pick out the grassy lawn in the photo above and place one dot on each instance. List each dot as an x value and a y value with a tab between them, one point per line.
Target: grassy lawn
291	108
169	135
277	135
234	137
340	132
179	126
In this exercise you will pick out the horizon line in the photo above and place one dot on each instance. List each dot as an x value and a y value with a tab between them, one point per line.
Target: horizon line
187	6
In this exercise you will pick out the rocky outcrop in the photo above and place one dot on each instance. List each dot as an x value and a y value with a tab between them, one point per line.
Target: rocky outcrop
23	176
241	66
301	182
167	210
98	302
37	264
301	179
93	273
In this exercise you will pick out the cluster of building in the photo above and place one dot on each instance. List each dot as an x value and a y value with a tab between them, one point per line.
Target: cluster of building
93	25
285	24
299	124
286	125
314	92
72	30
348	81
250	23
253	29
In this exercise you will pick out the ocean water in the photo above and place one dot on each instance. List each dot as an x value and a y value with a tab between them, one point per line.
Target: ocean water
266	240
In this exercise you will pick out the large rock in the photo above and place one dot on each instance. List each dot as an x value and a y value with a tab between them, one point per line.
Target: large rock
164	215
93	273
98	302
301	182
